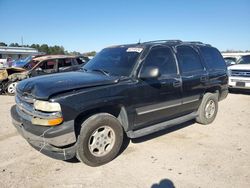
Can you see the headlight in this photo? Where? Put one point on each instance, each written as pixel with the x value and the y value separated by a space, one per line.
pixel 229 72
pixel 47 106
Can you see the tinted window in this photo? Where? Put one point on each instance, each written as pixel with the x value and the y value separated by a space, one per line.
pixel 244 60
pixel 212 58
pixel 163 58
pixel 189 59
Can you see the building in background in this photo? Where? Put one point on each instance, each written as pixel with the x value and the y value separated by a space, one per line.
pixel 15 53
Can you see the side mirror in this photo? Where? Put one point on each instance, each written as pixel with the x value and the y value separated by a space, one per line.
pixel 149 72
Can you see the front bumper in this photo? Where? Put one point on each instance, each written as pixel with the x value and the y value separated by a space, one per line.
pixel 57 142
pixel 234 81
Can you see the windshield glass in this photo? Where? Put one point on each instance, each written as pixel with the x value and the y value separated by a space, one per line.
pixel 114 61
pixel 244 60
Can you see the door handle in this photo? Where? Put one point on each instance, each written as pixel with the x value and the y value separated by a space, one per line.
pixel 203 78
pixel 177 83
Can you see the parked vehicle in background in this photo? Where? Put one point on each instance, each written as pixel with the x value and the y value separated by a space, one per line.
pixel 230 60
pixel 134 89
pixel 3 63
pixel 38 66
pixel 239 74
pixel 4 73
pixel 22 62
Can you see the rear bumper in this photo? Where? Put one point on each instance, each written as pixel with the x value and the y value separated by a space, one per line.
pixel 57 142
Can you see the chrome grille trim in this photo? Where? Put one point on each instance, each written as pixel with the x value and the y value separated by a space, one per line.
pixel 240 73
pixel 29 110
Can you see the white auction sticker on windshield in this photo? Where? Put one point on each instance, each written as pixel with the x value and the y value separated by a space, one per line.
pixel 138 50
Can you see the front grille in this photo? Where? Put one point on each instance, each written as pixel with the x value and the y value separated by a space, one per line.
pixel 24 104
pixel 24 97
pixel 240 73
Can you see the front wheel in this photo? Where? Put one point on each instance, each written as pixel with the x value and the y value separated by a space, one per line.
pixel 100 139
pixel 208 109
pixel 11 88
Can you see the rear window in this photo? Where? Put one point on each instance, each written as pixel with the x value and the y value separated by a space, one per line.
pixel 213 58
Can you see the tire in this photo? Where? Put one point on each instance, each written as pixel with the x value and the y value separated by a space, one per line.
pixel 207 115
pixel 100 139
pixel 11 88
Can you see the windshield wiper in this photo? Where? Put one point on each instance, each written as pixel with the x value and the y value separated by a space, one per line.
pixel 102 71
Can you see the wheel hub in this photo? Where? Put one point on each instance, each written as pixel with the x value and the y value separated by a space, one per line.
pixel 210 109
pixel 12 88
pixel 101 141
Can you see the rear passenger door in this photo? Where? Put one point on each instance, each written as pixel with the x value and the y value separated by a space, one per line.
pixel 194 77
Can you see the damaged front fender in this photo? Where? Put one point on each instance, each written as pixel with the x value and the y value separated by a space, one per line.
pixel 18 76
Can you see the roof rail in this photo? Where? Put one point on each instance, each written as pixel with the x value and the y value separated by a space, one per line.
pixel 197 42
pixel 194 42
pixel 163 41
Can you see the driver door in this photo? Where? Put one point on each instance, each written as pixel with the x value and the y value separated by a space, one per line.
pixel 158 99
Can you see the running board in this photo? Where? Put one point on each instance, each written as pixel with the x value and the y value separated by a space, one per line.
pixel 160 126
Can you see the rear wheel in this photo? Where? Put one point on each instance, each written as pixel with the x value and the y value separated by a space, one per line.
pixel 11 88
pixel 100 139
pixel 208 109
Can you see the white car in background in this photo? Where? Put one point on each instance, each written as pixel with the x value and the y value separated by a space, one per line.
pixel 239 74
pixel 3 63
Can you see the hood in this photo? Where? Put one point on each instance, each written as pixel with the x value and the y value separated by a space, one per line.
pixel 42 87
pixel 240 67
pixel 4 73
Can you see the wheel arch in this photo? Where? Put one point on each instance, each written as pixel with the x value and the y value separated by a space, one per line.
pixel 118 111
pixel 215 90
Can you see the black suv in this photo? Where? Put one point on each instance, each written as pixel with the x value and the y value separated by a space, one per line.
pixel 131 90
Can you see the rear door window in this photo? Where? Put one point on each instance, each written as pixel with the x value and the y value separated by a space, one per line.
pixel 189 59
pixel 212 58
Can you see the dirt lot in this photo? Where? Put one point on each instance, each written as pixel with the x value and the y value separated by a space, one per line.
pixel 190 155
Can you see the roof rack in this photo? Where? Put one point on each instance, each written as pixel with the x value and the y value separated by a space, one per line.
pixel 163 41
pixel 197 42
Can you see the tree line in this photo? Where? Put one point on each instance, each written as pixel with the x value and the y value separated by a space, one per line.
pixel 50 50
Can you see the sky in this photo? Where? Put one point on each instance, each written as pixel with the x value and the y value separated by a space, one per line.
pixel 90 25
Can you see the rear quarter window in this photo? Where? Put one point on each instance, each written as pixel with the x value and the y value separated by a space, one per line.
pixel 213 58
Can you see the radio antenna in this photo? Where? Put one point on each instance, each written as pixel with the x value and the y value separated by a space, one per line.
pixel 139 42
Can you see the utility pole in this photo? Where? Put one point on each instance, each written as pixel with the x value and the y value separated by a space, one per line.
pixel 22 40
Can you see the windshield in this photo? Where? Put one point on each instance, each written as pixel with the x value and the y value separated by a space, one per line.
pixel 114 61
pixel 30 65
pixel 244 60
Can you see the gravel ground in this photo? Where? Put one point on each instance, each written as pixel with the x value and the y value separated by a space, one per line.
pixel 189 155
